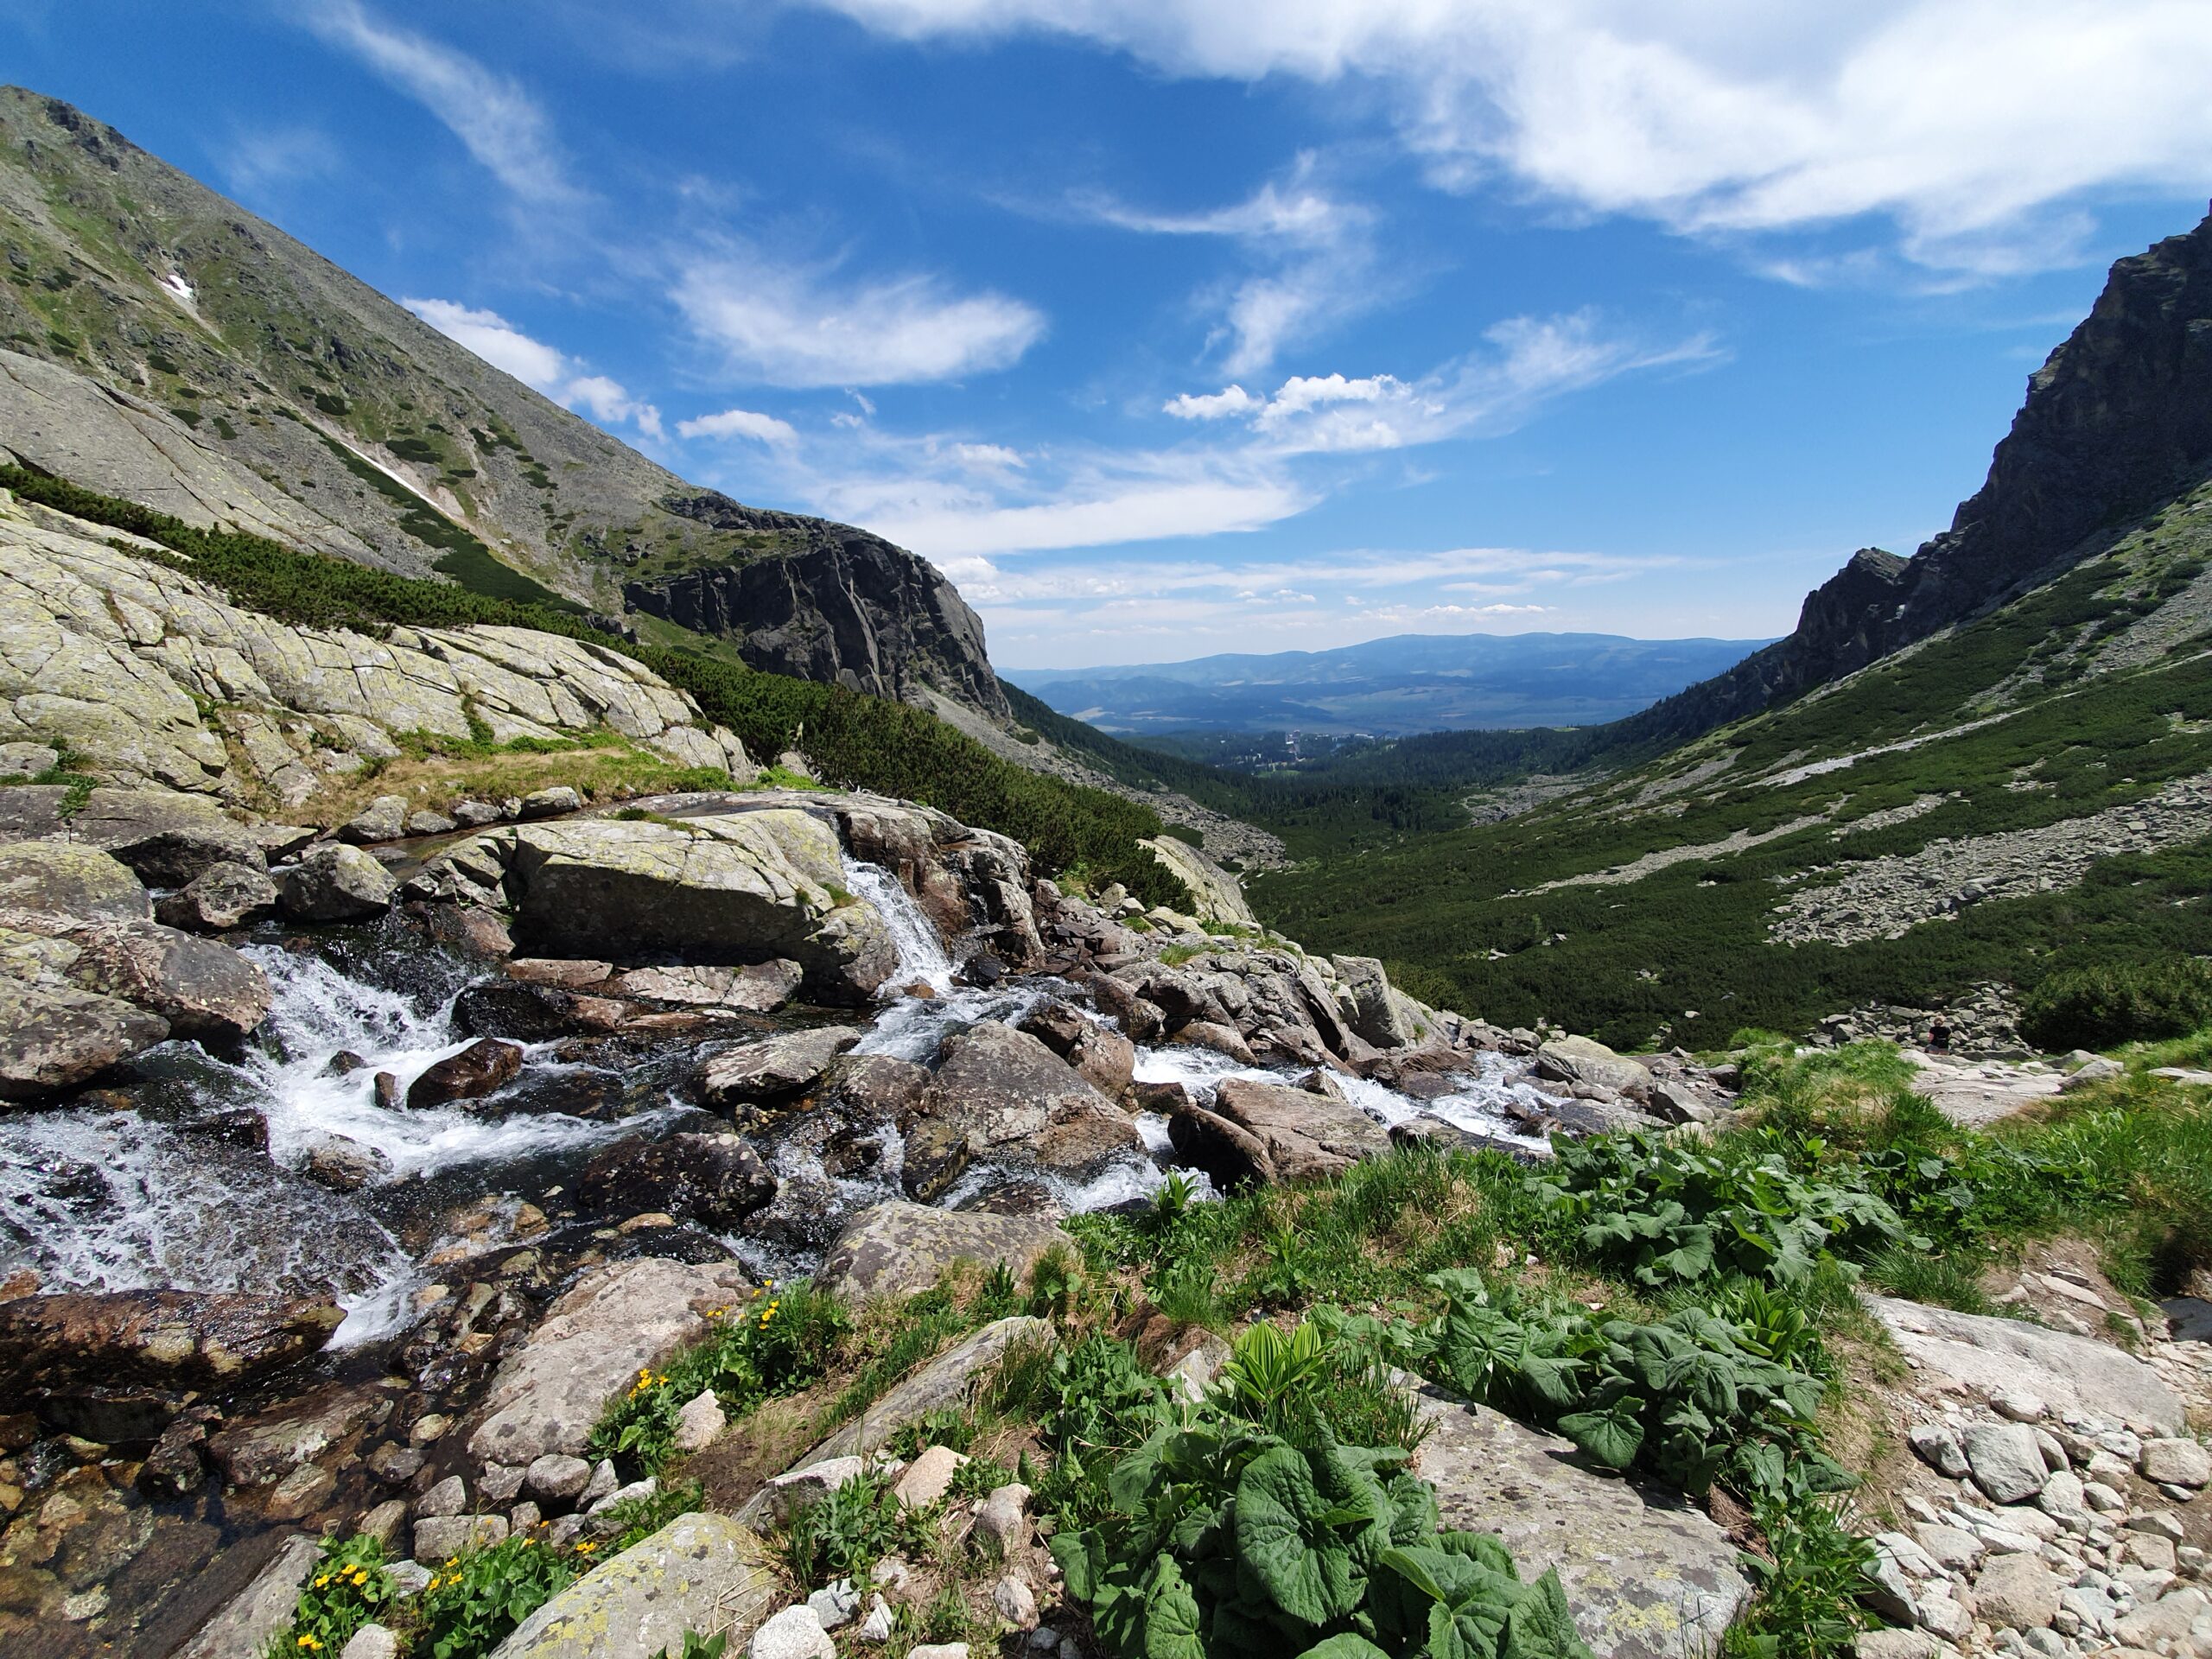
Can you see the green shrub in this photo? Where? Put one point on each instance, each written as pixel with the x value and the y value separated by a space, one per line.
pixel 2122 1002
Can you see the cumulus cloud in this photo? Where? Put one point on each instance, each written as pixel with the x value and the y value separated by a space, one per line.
pixel 542 368
pixel 789 327
pixel 1211 406
pixel 1971 125
pixel 500 124
pixel 739 424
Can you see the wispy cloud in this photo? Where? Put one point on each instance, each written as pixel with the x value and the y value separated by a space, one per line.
pixel 501 125
pixel 788 326
pixel 272 157
pixel 1972 125
pixel 544 367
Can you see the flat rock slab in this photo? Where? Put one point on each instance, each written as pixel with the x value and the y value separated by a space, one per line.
pixel 897 1249
pixel 1648 1575
pixel 242 1627
pixel 1997 1356
pixel 1971 1095
pixel 702 1573
pixel 618 1320
pixel 941 1382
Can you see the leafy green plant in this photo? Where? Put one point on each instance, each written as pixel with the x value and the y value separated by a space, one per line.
pixel 1220 1541
pixel 347 1589
pixel 2104 1005
pixel 1806 1603
pixel 475 1599
pixel 847 1532
pixel 697 1646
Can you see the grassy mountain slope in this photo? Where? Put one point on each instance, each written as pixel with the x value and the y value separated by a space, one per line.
pixel 1975 749
pixel 155 336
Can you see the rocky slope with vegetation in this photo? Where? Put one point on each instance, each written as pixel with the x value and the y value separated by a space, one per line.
pixel 159 343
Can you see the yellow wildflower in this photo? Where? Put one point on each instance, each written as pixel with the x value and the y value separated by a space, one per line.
pixel 586 1550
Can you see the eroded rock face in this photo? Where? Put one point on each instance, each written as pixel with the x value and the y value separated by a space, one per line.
pixel 1646 1575
pixel 620 1318
pixel 1216 896
pixel 896 1250
pixel 702 1573
pixel 160 1338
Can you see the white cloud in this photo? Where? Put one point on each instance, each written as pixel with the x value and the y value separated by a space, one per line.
pixel 1132 512
pixel 499 122
pixel 273 157
pixel 540 366
pixel 739 424
pixel 792 328
pixel 1212 406
pixel 1971 125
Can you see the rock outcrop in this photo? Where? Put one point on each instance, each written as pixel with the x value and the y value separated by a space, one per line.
pixel 897 1249
pixel 700 1574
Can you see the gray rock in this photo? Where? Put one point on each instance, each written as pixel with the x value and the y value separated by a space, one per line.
pixel 835 1604
pixel 344 1165
pixel 552 802
pixel 2090 1073
pixel 427 822
pixel 1895 1645
pixel 2071 1374
pixel 499 1483
pixel 334 882
pixel 1004 1518
pixel 203 989
pixel 878 1625
pixel 2007 1462
pixel 242 1628
pixel 785 1496
pixel 774 1067
pixel 896 1250
pixel 1939 1448
pixel 928 1477
pixel 617 1319
pixel 2165 1624
pixel 699 1422
pixel 2176 1463
pixel 1363 996
pixel 475 814
pixel 1016 1603
pixel 27 760
pixel 940 1382
pixel 557 1478
pixel 795 1633
pixel 1648 1575
pixel 58 879
pixel 53 1039
pixel 701 1573
pixel 1952 1548
pixel 372 1642
pixel 383 819
pixel 221 897
pixel 2016 1593
pixel 1582 1059
pixel 447 1498
pixel 1305 1136
pixel 1000 1091
pixel 166 837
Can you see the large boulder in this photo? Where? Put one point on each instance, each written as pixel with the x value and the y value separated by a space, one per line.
pixel 168 838
pixel 55 1037
pixel 202 990
pixel 731 888
pixel 700 1574
pixel 1647 1575
pixel 67 883
pixel 1307 1136
pixel 1100 1054
pixel 334 882
pixel 616 1320
pixel 158 1338
pixel 1998 1356
pixel 709 1181
pixel 773 1068
pixel 1216 896
pixel 1584 1059
pixel 221 897
pixel 997 1089
pixel 1372 1006
pixel 896 1250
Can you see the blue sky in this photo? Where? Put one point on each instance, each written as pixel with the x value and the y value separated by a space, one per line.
pixel 1173 327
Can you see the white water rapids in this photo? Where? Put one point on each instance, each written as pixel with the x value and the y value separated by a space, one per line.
pixel 115 1198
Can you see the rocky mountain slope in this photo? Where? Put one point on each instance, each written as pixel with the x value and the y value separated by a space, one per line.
pixel 160 343
pixel 2117 422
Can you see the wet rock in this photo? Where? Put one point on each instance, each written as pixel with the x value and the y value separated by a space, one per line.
pixel 396 1465
pixel 55 1037
pixel 936 1154
pixel 700 1573
pixel 175 1465
pixel 58 879
pixel 202 990
pixel 1648 1575
pixel 872 1087
pixel 343 1165
pixel 741 887
pixel 1143 1019
pixel 472 931
pixel 386 1085
pixel 895 1250
pixel 618 1320
pixel 1307 1136
pixel 334 882
pixel 383 819
pixel 1220 1037
pixel 567 973
pixel 485 1065
pixel 1081 1141
pixel 1100 1055
pixel 160 1338
pixel 1601 1116
pixel 999 1088
pixel 221 897
pixel 710 1180
pixel 1231 1154
pixel 536 1013
pixel 263 1449
pixel 243 1627
pixel 944 1380
pixel 773 1068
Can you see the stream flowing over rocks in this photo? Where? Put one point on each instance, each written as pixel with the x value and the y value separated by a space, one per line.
pixel 300 1215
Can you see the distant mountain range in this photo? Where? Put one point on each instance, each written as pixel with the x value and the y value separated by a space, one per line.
pixel 1409 683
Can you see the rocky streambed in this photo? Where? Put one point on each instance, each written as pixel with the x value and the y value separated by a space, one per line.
pixel 292 1176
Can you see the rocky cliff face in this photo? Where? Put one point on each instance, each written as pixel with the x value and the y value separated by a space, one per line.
pixel 842 605
pixel 2116 423
pixel 166 345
